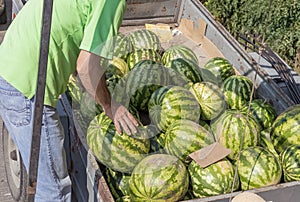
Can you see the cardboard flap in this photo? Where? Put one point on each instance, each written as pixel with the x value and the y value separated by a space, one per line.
pixel 197 34
pixel 210 154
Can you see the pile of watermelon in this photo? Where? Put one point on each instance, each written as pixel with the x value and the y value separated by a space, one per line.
pixel 182 108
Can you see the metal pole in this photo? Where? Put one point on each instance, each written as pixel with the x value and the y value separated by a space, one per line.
pixel 39 99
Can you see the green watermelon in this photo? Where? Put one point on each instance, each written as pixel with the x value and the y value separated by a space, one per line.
pixel 215 179
pixel 144 39
pixel 235 130
pixel 286 129
pixel 170 103
pixel 74 90
pixel 220 67
pixel 117 182
pixel 258 167
pixel 117 66
pixel 210 98
pixel 237 90
pixel 187 69
pixel 178 51
pixel 89 108
pixel 140 55
pixel 262 111
pixel 121 46
pixel 184 137
pixel 118 152
pixel 290 160
pixel 266 142
pixel 143 80
pixel 159 177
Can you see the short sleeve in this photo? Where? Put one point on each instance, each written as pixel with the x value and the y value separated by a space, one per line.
pixel 103 22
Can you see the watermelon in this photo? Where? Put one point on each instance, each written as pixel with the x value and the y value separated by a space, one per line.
pixel 74 90
pixel 117 182
pixel 220 67
pixel 290 160
pixel 159 177
pixel 140 55
pixel 178 51
pixel 237 90
pixel 286 129
pixel 215 179
pixel 121 46
pixel 258 167
pixel 210 98
pixel 236 130
pixel 262 111
pixel 144 39
pixel 117 66
pixel 187 69
pixel 89 108
pixel 170 103
pixel 118 152
pixel 143 80
pixel 266 142
pixel 184 137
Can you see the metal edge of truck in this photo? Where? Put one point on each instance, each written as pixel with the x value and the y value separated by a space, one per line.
pixel 90 184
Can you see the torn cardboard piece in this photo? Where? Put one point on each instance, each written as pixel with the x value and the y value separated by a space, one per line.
pixel 163 31
pixel 210 154
pixel 197 35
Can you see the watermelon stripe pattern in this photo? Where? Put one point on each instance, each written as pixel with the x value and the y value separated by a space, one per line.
pixel 220 67
pixel 184 137
pixel 237 90
pixel 118 152
pixel 286 129
pixel 144 39
pixel 217 178
pixel 290 160
pixel 178 51
pixel 210 98
pixel 140 55
pixel 177 103
pixel 263 112
pixel 159 177
pixel 234 129
pixel 258 167
pixel 187 69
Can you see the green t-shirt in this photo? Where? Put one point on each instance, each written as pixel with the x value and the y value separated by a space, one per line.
pixel 76 24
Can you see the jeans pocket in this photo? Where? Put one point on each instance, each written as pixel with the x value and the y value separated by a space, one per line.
pixel 15 106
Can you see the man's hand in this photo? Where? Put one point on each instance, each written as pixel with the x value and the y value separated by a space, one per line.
pixel 122 119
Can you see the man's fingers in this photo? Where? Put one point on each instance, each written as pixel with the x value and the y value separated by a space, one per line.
pixel 118 127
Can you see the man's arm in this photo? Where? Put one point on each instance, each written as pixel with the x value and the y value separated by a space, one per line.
pixel 93 79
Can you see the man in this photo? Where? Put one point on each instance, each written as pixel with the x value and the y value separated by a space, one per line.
pixel 79 30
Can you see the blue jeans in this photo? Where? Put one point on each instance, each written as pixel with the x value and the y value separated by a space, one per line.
pixel 16 111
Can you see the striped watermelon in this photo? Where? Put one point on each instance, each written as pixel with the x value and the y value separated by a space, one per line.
pixel 121 46
pixel 118 183
pixel 144 39
pixel 187 69
pixel 262 111
pixel 89 108
pixel 220 67
pixel 210 98
pixel 170 103
pixel 116 67
pixel 217 178
pixel 159 177
pixel 184 137
pixel 286 129
pixel 237 90
pixel 290 160
pixel 266 142
pixel 74 90
pixel 142 54
pixel 143 80
pixel 178 51
pixel 236 130
pixel 118 152
pixel 258 167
